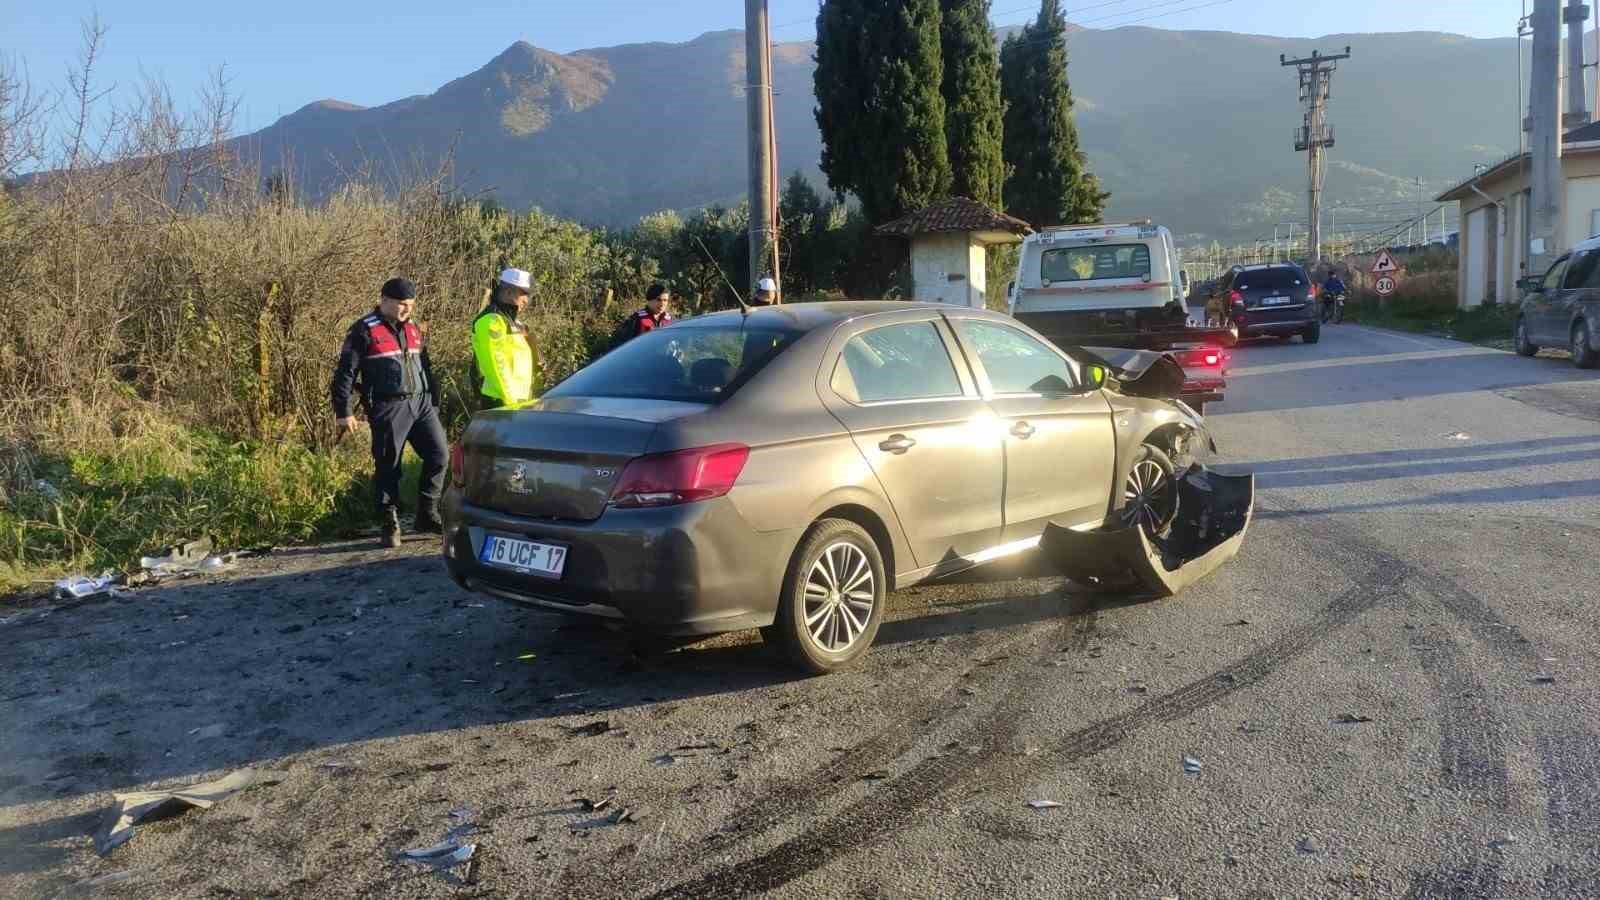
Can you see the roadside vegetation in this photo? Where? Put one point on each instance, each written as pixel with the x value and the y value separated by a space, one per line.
pixel 1426 303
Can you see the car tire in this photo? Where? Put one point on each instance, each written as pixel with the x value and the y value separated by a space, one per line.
pixel 1153 477
pixel 1312 334
pixel 1519 337
pixel 821 626
pixel 1584 355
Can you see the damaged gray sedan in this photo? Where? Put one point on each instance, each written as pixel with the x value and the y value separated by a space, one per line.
pixel 787 467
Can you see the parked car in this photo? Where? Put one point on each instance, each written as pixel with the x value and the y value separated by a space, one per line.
pixel 1562 307
pixel 1269 300
pixel 788 467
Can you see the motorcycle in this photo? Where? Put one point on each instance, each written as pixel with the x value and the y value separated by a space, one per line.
pixel 1333 308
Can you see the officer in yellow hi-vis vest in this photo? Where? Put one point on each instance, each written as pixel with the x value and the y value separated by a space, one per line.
pixel 505 362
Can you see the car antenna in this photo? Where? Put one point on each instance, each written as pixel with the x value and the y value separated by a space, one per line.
pixel 743 306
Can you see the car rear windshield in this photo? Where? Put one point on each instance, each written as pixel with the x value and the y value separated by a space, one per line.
pixel 704 363
pixel 1096 262
pixel 1280 279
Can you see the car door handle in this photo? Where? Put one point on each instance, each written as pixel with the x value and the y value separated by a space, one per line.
pixel 896 443
pixel 1023 430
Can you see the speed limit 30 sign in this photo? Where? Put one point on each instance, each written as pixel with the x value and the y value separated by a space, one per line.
pixel 1385 286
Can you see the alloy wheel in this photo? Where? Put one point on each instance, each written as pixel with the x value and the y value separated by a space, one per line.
pixel 840 592
pixel 1150 498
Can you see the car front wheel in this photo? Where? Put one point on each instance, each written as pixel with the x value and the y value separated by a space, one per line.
pixel 1584 355
pixel 833 598
pixel 1525 347
pixel 1150 493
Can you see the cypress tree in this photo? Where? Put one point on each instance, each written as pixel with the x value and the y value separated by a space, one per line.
pixel 879 107
pixel 973 117
pixel 1050 183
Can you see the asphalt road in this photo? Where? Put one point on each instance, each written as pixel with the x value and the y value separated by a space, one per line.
pixel 1392 692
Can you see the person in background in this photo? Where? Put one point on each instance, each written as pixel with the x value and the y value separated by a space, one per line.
pixel 384 361
pixel 505 362
pixel 766 292
pixel 655 314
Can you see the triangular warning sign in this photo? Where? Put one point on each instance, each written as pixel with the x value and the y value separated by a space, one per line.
pixel 1384 264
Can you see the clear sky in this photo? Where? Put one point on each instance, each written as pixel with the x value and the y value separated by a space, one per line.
pixel 284 54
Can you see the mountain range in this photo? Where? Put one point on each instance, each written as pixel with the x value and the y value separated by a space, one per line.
pixel 1193 129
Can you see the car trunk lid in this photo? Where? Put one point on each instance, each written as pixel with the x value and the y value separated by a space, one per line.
pixel 559 459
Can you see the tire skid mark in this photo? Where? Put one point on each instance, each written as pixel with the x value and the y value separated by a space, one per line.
pixel 900 800
pixel 1571 776
pixel 1078 617
pixel 1472 747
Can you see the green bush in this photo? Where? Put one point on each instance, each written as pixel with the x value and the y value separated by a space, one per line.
pixel 84 511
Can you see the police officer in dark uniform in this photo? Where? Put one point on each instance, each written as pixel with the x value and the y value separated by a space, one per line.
pixel 385 362
pixel 654 315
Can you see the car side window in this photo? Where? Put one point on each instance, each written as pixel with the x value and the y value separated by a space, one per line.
pixel 1016 362
pixel 896 362
pixel 1580 269
pixel 1552 278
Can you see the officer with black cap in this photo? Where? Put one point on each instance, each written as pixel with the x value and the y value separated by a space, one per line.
pixel 384 361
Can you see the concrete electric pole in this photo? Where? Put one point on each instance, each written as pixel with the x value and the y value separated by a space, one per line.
pixel 1316 71
pixel 763 143
pixel 1544 101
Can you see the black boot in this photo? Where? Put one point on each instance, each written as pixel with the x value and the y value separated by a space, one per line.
pixel 427 520
pixel 391 527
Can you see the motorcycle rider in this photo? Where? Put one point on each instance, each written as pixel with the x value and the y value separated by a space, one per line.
pixel 1333 292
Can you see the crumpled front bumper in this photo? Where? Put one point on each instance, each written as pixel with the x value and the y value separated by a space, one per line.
pixel 1214 512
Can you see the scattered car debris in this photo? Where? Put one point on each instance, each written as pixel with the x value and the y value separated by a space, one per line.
pixel 82 587
pixel 587 805
pixel 137 806
pixel 593 729
pixel 665 759
pixel 1043 804
pixel 208 731
pixel 190 559
pixel 876 775
pixel 525 657
pixel 1457 436
pixel 443 855
pixel 1192 766
pixel 1352 719
pixel 1544 679
pixel 1237 624
pixel 1309 844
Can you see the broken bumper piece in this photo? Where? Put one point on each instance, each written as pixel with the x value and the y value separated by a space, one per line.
pixel 1213 513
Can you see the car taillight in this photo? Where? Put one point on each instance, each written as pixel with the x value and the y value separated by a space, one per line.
pixel 1206 358
pixel 1236 297
pixel 458 466
pixel 683 476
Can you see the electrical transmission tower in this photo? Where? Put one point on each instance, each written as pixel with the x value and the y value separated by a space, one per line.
pixel 1316 72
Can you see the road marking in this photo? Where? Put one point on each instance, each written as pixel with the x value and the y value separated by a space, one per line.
pixel 1364 360
pixel 1385 333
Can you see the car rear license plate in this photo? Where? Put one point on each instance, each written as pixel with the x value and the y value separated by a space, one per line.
pixel 529 557
pixel 1275 301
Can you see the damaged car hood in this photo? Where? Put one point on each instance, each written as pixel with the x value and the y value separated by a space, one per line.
pixel 1137 373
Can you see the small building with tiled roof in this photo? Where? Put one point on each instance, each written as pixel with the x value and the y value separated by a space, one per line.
pixel 949 248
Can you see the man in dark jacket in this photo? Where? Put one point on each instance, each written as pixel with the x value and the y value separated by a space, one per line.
pixel 385 361
pixel 654 315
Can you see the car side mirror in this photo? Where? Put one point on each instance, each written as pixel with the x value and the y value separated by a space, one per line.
pixel 1532 284
pixel 1094 376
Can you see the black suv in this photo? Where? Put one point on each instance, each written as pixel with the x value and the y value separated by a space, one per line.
pixel 1276 300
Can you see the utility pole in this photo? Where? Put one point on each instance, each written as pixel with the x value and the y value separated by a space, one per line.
pixel 1545 148
pixel 763 143
pixel 1316 71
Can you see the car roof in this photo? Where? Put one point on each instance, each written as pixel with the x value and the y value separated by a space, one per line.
pixel 810 316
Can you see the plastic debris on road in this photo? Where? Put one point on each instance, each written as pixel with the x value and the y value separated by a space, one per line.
pixel 1457 436
pixel 80 587
pixel 193 558
pixel 443 855
pixel 1352 719
pixel 1544 679
pixel 208 731
pixel 1192 766
pixel 133 808
pixel 1043 804
pixel 593 729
